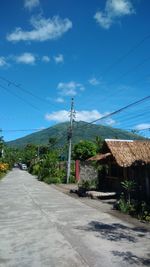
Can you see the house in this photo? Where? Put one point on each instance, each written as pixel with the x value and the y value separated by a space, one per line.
pixel 125 159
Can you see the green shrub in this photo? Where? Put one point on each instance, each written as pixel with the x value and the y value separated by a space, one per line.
pixel 36 169
pixel 43 173
pixel 129 186
pixel 144 212
pixel 87 184
pixel 72 179
pixel 52 180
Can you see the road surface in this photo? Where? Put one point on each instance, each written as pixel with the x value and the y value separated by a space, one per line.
pixel 42 227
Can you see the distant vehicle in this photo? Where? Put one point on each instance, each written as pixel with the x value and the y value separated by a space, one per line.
pixel 15 165
pixel 23 166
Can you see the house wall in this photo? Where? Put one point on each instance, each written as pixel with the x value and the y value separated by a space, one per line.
pixel 140 174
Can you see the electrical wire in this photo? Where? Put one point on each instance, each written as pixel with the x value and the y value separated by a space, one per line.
pixel 129 52
pixel 122 109
pixel 19 97
pixel 9 82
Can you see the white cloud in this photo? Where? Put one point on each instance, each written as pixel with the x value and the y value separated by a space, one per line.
pixel 30 4
pixel 46 59
pixel 94 81
pixel 83 115
pixel 59 59
pixel 3 62
pixel 25 58
pixel 58 116
pixel 87 115
pixel 114 9
pixel 43 29
pixel 110 121
pixel 70 88
pixel 59 100
pixel 142 126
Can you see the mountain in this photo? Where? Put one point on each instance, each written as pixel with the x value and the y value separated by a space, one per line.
pixel 81 131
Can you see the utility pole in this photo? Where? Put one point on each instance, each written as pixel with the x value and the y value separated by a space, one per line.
pixel 1 145
pixel 72 116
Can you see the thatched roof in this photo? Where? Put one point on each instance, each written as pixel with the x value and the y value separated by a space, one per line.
pixel 100 156
pixel 127 153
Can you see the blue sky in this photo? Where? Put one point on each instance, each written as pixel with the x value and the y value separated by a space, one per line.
pixel 95 51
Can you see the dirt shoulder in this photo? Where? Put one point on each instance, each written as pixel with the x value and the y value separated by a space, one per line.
pixel 104 205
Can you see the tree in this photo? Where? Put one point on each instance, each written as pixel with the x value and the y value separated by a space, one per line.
pixel 29 153
pixel 52 142
pixel 99 142
pixel 84 150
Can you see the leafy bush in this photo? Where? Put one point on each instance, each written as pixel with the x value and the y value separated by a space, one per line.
pixel 84 150
pixel 35 169
pixel 52 180
pixel 144 212
pixel 129 186
pixel 87 184
pixel 140 210
pixel 43 173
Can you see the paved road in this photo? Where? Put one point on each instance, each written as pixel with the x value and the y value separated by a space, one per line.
pixel 42 227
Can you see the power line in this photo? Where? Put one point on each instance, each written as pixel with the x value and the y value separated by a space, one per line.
pixel 18 86
pixel 133 69
pixel 129 52
pixel 138 130
pixel 117 111
pixel 121 109
pixel 22 89
pixel 19 97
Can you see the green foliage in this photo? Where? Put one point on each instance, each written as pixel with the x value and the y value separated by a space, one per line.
pixel 129 186
pixel 84 150
pixel 29 153
pixel 140 210
pixel 52 180
pixel 126 206
pixel 99 143
pixel 48 169
pixel 87 184
pixel 34 169
pixel 144 212
pixel 52 142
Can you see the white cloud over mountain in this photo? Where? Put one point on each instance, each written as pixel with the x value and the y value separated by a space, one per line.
pixel 83 115
pixel 142 126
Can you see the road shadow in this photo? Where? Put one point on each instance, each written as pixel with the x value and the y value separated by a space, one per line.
pixel 131 258
pixel 115 231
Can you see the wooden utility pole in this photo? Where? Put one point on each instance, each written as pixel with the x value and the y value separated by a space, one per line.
pixel 72 115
